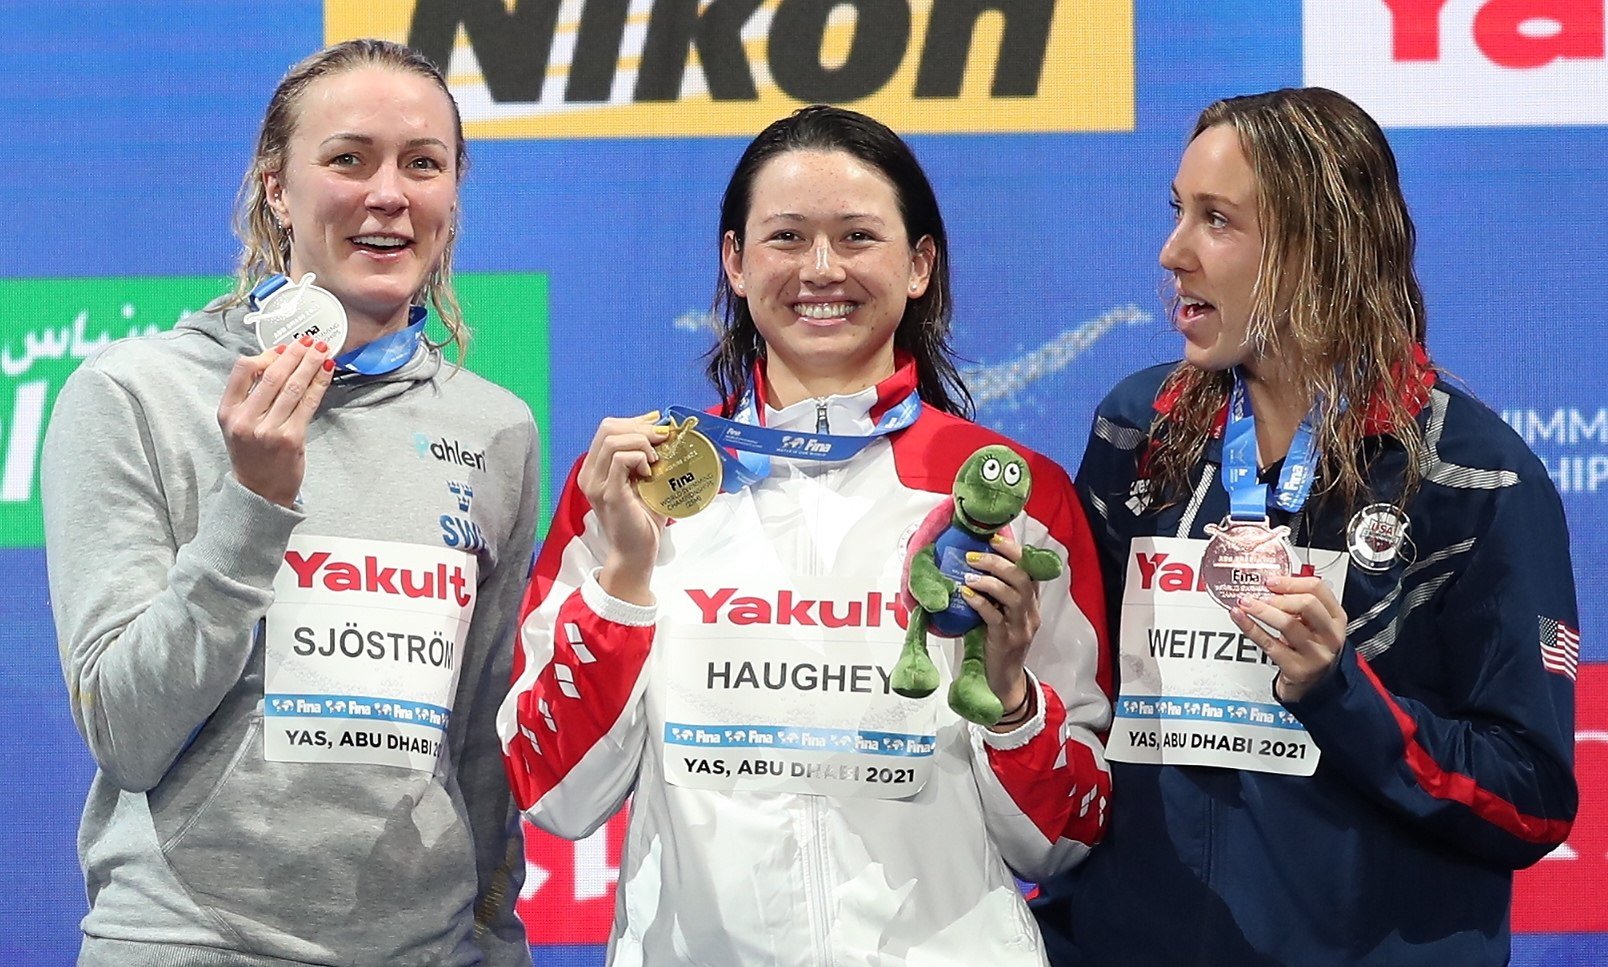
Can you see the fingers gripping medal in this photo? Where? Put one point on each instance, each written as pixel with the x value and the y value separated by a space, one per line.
pixel 686 477
pixel 283 313
pixel 1240 557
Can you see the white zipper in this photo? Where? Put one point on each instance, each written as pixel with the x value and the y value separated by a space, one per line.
pixel 817 895
pixel 813 849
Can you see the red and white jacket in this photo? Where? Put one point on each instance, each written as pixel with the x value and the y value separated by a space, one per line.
pixel 746 876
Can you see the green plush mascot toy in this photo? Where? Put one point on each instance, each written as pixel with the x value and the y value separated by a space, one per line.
pixel 991 488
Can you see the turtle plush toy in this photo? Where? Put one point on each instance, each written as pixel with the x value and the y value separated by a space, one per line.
pixel 990 489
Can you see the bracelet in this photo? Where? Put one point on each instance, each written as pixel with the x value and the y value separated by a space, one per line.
pixel 1022 712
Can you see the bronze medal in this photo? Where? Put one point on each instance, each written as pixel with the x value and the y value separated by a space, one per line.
pixel 686 477
pixel 1240 557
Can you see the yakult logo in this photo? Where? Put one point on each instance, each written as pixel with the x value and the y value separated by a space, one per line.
pixel 725 605
pixel 1462 62
pixel 440 582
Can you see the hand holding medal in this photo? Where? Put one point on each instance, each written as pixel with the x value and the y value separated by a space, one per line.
pixel 1308 630
pixel 1247 564
pixel 267 405
pixel 622 451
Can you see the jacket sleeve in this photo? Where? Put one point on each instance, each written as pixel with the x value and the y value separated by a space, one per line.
pixel 574 725
pixel 1488 766
pixel 1045 785
pixel 482 686
pixel 152 633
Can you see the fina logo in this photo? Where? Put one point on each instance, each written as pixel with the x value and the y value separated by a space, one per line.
pixel 448 451
pixel 800 444
pixel 558 68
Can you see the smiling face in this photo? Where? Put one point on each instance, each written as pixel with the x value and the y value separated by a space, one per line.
pixel 991 488
pixel 368 191
pixel 826 268
pixel 1215 250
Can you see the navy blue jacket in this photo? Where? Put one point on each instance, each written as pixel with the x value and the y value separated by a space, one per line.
pixel 1447 745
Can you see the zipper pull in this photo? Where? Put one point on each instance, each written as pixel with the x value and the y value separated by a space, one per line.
pixel 820 415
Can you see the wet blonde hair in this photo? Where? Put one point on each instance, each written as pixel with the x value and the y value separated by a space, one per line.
pixel 266 244
pixel 1336 299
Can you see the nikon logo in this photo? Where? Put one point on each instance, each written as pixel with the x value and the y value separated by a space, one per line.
pixel 577 68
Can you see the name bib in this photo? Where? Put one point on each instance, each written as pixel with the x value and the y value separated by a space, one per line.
pixel 800 705
pixel 1195 691
pixel 362 649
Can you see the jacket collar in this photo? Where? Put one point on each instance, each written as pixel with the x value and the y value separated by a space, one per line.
pixel 1412 383
pixel 851 413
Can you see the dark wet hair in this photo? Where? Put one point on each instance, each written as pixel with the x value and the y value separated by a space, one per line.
pixel 924 330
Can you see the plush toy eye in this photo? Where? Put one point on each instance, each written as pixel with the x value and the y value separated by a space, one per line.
pixel 990 469
pixel 1013 474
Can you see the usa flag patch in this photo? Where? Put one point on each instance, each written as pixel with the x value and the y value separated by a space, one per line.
pixel 1560 648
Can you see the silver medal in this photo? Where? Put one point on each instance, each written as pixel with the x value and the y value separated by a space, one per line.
pixel 296 310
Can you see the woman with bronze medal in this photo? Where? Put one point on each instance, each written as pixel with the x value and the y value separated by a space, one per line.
pixel 1341 589
pixel 716 615
pixel 284 662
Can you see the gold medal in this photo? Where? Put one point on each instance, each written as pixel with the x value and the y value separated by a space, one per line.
pixel 686 477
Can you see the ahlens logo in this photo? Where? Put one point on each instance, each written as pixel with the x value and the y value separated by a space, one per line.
pixel 448 451
pixel 729 67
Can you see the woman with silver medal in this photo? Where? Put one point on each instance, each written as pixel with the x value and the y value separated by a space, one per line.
pixel 284 670
pixel 730 668
pixel 1341 587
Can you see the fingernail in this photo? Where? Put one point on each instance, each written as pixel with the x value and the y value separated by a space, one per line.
pixel 307 340
pixel 280 349
pixel 998 537
pixel 329 364
pixel 321 346
pixel 972 577
pixel 968 592
pixel 972 557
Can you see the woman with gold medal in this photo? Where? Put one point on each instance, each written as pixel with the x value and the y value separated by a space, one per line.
pixel 731 672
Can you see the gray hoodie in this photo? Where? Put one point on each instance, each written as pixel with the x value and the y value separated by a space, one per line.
pixel 199 844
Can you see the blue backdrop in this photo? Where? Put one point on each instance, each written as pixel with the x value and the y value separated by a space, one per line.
pixel 128 125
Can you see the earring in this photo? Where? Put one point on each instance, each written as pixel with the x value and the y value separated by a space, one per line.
pixel 914 286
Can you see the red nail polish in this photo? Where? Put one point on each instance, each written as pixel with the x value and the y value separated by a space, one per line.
pixel 321 346
pixel 329 364
pixel 280 348
pixel 307 340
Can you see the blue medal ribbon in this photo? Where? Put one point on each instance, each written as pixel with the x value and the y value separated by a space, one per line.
pixel 1247 496
pixel 388 352
pixel 264 289
pixel 756 444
